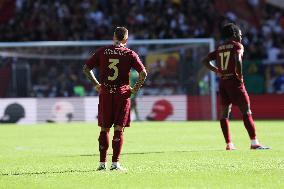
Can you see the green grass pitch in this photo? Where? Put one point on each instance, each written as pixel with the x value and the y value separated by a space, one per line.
pixel 156 154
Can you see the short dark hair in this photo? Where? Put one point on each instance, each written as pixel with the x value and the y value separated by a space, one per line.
pixel 230 30
pixel 121 33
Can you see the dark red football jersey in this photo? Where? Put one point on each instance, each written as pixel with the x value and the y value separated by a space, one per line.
pixel 114 64
pixel 225 57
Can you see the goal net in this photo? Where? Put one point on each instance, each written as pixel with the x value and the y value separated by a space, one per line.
pixel 54 69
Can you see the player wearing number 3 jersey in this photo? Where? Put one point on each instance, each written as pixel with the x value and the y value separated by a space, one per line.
pixel 228 57
pixel 114 64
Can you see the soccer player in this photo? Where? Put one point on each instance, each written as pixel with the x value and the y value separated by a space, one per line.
pixel 114 64
pixel 228 57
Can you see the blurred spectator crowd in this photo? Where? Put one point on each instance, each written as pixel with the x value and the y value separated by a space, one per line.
pixel 50 20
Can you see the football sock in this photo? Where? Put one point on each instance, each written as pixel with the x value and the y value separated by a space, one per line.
pixel 225 129
pixel 249 124
pixel 103 145
pixel 117 143
pixel 254 142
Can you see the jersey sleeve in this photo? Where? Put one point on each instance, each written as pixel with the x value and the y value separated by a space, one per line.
pixel 136 63
pixel 94 62
pixel 212 56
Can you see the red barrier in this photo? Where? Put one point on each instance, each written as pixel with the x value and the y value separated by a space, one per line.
pixel 268 106
pixel 198 108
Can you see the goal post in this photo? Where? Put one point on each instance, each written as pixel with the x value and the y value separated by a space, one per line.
pixel 79 51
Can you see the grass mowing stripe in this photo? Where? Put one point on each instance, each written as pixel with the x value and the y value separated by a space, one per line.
pixel 156 154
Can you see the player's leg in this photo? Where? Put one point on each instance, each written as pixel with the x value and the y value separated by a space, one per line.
pixel 250 127
pixel 103 147
pixel 105 122
pixel 121 120
pixel 226 106
pixel 244 106
pixel 248 120
pixel 117 143
pixel 224 122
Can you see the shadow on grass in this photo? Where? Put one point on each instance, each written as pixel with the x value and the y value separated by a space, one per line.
pixel 46 172
pixel 146 153
pixel 92 170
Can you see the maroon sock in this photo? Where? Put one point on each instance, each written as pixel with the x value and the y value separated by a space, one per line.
pixel 249 124
pixel 117 143
pixel 225 129
pixel 103 145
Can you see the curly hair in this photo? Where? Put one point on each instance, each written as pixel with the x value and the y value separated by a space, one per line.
pixel 230 30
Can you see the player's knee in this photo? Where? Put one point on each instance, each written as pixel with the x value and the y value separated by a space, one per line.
pixel 247 112
pixel 223 117
pixel 118 128
pixel 103 129
pixel 225 113
pixel 245 109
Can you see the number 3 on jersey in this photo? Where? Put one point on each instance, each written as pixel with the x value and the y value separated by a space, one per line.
pixel 113 63
pixel 226 56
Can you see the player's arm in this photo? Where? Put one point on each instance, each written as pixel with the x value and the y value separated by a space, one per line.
pixel 239 66
pixel 209 65
pixel 239 63
pixel 140 81
pixel 139 67
pixel 207 61
pixel 90 75
pixel 91 63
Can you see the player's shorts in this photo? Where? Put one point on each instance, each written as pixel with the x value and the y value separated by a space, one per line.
pixel 232 91
pixel 114 109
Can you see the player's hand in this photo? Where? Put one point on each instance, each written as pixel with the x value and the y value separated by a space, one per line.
pixel 241 80
pixel 98 88
pixel 219 74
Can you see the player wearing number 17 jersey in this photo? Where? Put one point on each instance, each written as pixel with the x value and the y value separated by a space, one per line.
pixel 114 63
pixel 228 57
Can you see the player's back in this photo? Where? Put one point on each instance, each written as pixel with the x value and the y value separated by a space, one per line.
pixel 115 64
pixel 226 58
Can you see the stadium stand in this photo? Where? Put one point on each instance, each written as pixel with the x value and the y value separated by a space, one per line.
pixel 36 20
